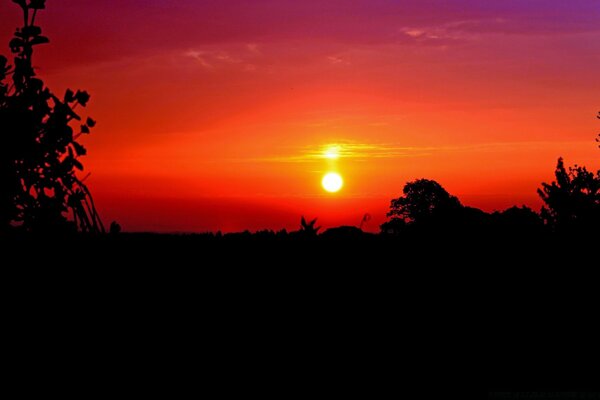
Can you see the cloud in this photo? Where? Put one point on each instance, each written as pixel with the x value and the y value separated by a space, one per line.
pixel 200 57
pixel 354 151
pixel 211 59
pixel 337 60
pixel 414 32
pixel 362 152
pixel 365 151
pixel 253 48
pixel 454 31
pixel 180 25
pixel 509 22
pixel 226 57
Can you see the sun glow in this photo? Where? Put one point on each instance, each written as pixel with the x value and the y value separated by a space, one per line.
pixel 332 182
pixel 332 152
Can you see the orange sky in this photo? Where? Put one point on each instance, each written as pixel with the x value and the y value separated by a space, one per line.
pixel 216 114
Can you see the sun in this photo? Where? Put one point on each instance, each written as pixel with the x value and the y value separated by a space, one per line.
pixel 332 182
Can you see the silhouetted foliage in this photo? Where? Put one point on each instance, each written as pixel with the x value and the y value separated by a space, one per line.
pixel 424 202
pixel 115 228
pixel 343 232
pixel 427 207
pixel 470 218
pixel 572 200
pixel 598 139
pixel 395 226
pixel 518 219
pixel 308 229
pixel 40 154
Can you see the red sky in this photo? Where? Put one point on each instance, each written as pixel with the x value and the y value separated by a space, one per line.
pixel 216 114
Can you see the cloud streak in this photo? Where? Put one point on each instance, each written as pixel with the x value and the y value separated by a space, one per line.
pixel 362 152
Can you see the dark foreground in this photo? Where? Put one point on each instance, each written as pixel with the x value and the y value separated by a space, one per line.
pixel 421 317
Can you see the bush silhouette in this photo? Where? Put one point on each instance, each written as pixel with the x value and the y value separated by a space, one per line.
pixel 40 154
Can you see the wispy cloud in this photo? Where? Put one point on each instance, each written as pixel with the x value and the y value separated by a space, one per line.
pixel 253 48
pixel 414 32
pixel 371 151
pixel 454 31
pixel 211 59
pixel 337 60
pixel 354 151
pixel 199 56
pixel 363 151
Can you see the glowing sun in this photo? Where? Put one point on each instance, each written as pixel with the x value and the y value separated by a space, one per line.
pixel 332 182
pixel 332 152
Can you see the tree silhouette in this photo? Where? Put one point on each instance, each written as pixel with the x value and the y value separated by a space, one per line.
pixel 40 154
pixel 520 220
pixel 573 200
pixel 395 226
pixel 424 201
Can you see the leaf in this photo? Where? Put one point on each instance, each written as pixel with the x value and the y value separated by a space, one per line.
pixel 23 68
pixel 37 4
pixel 77 165
pixel 69 96
pixel 31 31
pixel 3 68
pixel 22 3
pixel 36 84
pixel 90 122
pixel 79 149
pixel 73 114
pixel 15 44
pixel 85 129
pixel 82 97
pixel 39 40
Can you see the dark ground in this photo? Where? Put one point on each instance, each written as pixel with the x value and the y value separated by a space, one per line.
pixel 418 318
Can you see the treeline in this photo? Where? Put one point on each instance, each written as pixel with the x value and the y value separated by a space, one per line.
pixel 571 206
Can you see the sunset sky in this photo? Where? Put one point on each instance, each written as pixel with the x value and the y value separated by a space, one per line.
pixel 226 114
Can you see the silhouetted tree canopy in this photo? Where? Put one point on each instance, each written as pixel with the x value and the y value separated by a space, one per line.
pixel 424 201
pixel 572 200
pixel 40 153
pixel 523 219
pixel 427 207
pixel 395 226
